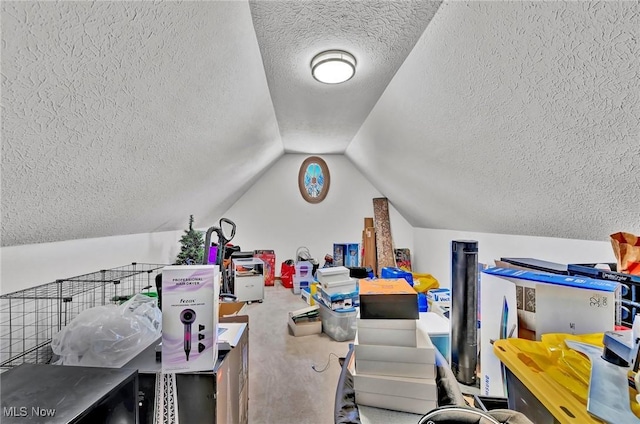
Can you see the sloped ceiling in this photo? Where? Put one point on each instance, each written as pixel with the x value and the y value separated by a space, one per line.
pixel 506 117
pixel 127 117
pixel 323 118
pixel 514 118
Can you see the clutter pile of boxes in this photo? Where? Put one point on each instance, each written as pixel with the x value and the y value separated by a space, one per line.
pixel 336 289
pixel 393 365
pixel 337 296
pixel 396 341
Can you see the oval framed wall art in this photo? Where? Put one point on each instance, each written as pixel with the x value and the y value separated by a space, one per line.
pixel 314 179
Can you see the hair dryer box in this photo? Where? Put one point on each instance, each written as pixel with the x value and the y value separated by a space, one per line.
pixel 189 317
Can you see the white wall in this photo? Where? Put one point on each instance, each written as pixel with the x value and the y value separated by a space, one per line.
pixel 273 215
pixel 270 215
pixel 34 264
pixel 433 250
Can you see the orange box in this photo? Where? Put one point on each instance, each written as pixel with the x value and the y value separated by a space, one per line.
pixel 388 299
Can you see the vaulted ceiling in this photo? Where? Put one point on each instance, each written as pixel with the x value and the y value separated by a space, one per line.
pixel 506 117
pixel 324 118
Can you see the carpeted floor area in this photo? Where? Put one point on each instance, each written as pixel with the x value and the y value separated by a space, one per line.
pixel 283 387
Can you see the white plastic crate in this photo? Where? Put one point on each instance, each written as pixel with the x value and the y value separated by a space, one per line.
pixel 300 282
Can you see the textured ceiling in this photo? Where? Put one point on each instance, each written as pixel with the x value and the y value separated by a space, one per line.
pixel 514 118
pixel 122 117
pixel 321 118
pixel 502 117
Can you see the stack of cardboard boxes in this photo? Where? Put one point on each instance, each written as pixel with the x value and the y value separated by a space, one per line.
pixel 337 294
pixel 337 290
pixel 394 359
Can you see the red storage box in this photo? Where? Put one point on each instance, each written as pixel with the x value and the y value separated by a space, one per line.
pixel 269 259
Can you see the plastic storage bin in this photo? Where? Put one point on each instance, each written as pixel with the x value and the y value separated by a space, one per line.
pixel 532 391
pixel 395 273
pixel 438 328
pixel 341 324
pixel 300 283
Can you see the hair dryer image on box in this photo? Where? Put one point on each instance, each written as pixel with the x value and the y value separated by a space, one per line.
pixel 187 317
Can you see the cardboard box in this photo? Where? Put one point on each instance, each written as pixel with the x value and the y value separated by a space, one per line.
pixel 269 259
pixel 346 254
pixel 416 388
pixel 415 395
pixel 347 286
pixel 237 370
pixel 352 255
pixel 387 332
pixel 305 328
pixel 305 294
pixel 398 361
pixel 332 274
pixel 339 300
pixel 339 250
pixel 499 320
pixel 388 299
pixel 229 308
pixel 403 258
pixel 395 368
pixel 369 247
pixel 549 303
pixel 396 403
pixel 189 317
pixel 629 286
pixel 442 295
pixel 439 329
pixel 536 265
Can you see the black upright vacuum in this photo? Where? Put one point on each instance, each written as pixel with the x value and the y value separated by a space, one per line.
pixel 226 231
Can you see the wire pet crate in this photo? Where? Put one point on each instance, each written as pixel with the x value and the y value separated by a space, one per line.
pixel 30 318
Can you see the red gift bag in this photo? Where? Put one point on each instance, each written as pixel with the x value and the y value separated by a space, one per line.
pixel 287 271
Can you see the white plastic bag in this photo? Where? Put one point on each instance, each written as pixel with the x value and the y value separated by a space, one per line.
pixel 110 335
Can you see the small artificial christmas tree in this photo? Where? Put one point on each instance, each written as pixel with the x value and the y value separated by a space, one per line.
pixel 192 248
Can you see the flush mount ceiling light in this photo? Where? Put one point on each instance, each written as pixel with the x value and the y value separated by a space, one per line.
pixel 333 66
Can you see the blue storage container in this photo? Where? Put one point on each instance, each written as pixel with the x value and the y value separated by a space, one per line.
pixel 389 272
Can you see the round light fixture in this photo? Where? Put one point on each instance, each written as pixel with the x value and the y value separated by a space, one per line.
pixel 333 66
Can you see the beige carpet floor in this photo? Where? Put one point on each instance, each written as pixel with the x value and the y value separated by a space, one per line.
pixel 283 387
